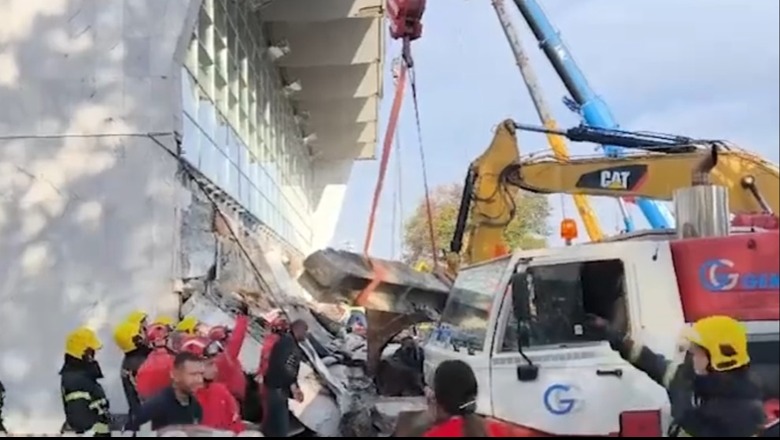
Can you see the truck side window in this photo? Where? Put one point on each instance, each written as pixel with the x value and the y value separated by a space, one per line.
pixel 563 294
pixel 464 321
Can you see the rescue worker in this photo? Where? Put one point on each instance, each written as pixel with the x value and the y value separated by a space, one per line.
pixel 130 339
pixel 402 373
pixel 455 403
pixel 189 326
pixel 711 392
pixel 166 321
pixel 281 380
pixel 2 403
pixel 220 407
pixel 175 404
pixel 229 369
pixel 140 317
pixel 154 374
pixel 85 404
pixel 278 327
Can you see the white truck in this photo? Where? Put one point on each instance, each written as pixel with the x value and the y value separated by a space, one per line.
pixel 517 321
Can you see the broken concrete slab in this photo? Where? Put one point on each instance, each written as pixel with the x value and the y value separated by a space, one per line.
pixel 319 412
pixel 338 276
pixel 293 291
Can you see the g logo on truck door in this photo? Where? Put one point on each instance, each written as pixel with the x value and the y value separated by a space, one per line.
pixel 720 275
pixel 561 399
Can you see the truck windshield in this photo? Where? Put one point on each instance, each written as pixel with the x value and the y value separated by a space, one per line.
pixel 464 321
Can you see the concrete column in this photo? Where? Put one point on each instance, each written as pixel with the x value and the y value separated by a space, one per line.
pixel 89 108
pixel 330 187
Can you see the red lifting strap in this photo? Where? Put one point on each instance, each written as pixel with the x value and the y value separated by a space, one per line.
pixel 387 146
pixel 404 16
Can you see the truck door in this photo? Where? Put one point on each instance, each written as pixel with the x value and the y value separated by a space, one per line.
pixel 548 372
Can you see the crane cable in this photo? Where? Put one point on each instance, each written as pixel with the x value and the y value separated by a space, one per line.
pixel 428 205
pixel 392 123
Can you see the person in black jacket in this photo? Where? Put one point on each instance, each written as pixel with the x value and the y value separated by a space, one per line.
pixel 83 398
pixel 710 391
pixel 130 339
pixel 281 380
pixel 176 404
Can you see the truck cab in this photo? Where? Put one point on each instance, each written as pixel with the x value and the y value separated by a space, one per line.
pixel 518 321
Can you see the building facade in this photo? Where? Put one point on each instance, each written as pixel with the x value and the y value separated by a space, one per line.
pixel 105 103
pixel 248 122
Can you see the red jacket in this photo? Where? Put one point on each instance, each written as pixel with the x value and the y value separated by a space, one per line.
pixel 229 371
pixel 453 427
pixel 154 374
pixel 220 408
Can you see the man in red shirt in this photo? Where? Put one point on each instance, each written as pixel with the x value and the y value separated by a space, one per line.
pixel 220 408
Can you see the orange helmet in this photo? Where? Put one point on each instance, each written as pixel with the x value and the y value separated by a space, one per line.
pixel 202 347
pixel 158 335
pixel 219 333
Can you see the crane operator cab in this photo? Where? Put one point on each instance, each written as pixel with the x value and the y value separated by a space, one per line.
pixel 519 322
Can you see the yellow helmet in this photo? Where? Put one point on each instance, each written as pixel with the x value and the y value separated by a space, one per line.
pixel 80 341
pixel 164 320
pixel 127 335
pixel 137 316
pixel 187 325
pixel 724 338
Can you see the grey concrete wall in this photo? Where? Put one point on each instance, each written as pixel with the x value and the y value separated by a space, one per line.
pixel 88 198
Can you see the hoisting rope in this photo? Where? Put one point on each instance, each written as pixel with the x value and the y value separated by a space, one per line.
pixel 405 25
pixel 387 144
pixel 406 68
pixel 428 205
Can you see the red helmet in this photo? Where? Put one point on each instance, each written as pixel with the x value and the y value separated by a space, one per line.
pixel 157 335
pixel 201 347
pixel 219 333
pixel 279 324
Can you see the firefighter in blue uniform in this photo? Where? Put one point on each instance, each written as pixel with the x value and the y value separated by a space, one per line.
pixel 711 392
pixel 83 398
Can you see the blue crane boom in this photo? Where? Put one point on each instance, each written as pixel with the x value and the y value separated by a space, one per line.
pixel 593 109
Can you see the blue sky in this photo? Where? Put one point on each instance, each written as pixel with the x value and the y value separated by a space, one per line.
pixel 706 68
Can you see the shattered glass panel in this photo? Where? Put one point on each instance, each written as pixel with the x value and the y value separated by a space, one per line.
pixel 557 303
pixel 464 322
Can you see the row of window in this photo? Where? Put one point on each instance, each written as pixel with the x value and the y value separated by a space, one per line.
pixel 240 129
pixel 247 182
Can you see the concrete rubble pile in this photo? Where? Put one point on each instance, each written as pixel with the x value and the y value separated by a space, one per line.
pixel 340 398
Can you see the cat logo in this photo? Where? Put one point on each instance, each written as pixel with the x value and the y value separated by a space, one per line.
pixel 615 179
pixel 628 178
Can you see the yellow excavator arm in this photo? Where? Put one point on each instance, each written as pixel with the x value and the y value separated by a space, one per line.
pixel 487 205
pixel 752 182
pixel 664 164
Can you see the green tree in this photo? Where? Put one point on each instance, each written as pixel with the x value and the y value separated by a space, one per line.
pixel 528 230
